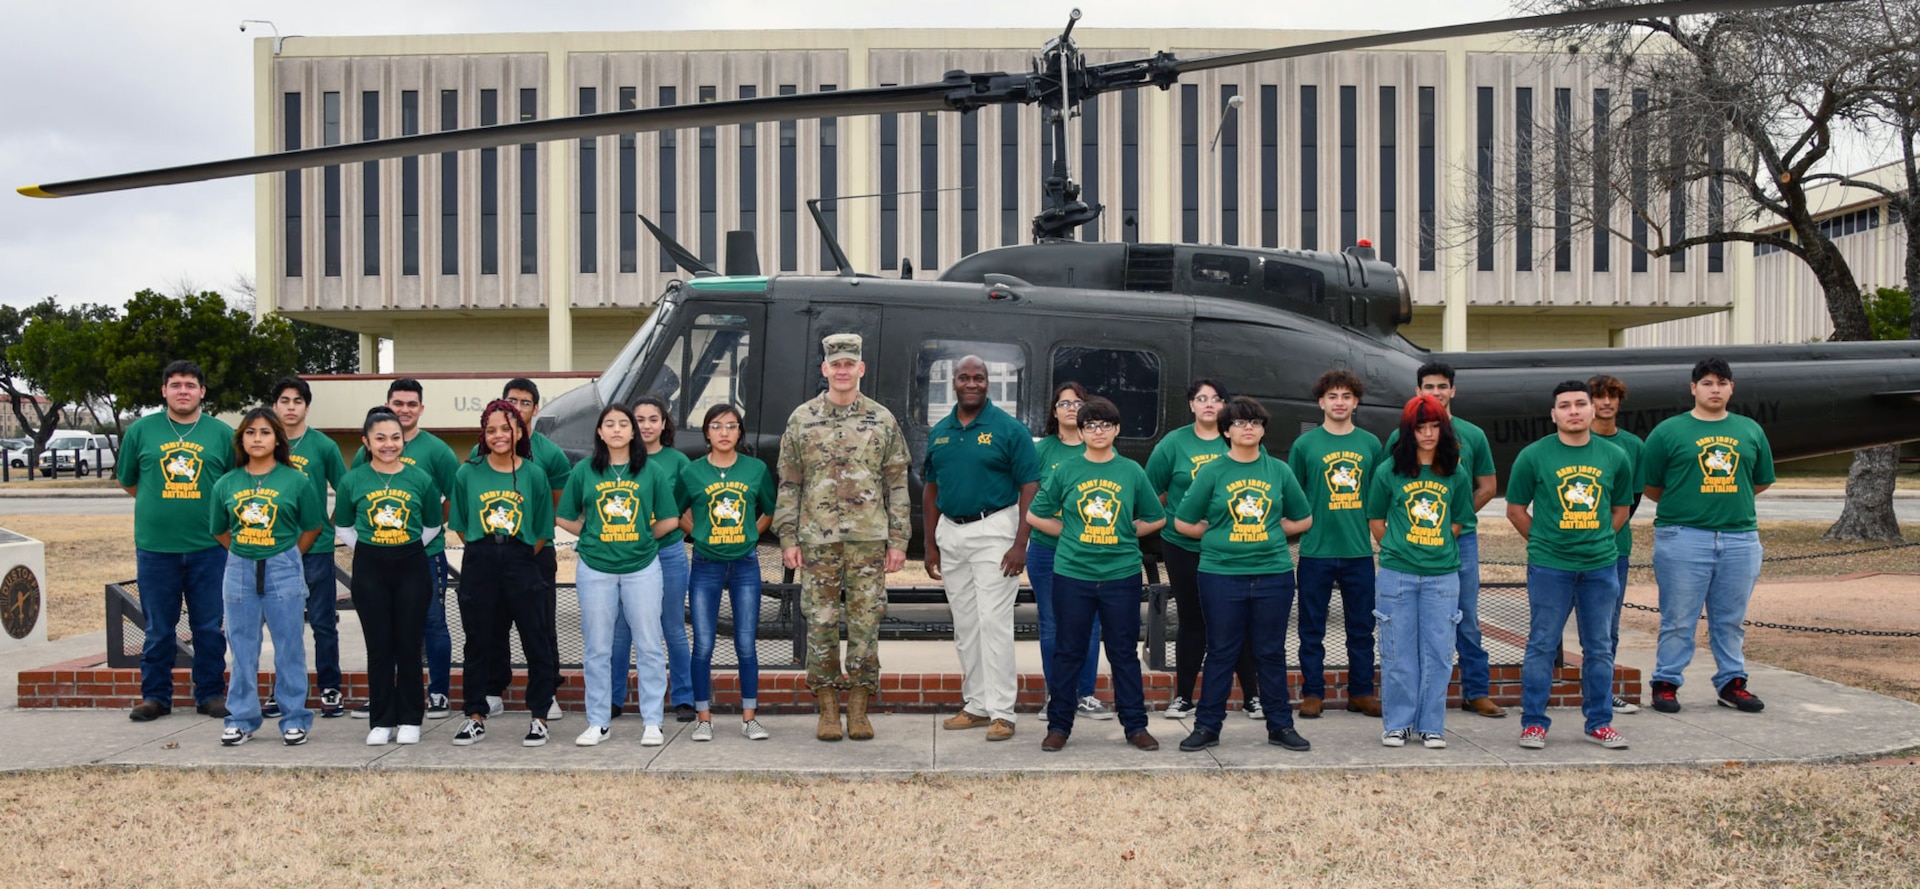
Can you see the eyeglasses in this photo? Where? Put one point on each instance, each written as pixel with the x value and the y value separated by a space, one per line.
pixel 1208 399
pixel 1097 426
pixel 722 427
pixel 1255 423
pixel 522 402
pixel 1069 402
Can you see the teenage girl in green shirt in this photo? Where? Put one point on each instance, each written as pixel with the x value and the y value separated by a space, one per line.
pixel 732 500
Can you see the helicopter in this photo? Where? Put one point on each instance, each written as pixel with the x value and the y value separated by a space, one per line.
pixel 1133 322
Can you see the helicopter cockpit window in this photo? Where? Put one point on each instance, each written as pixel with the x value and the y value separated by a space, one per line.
pixel 624 372
pixel 1296 282
pixel 1221 269
pixel 705 367
pixel 1130 379
pixel 933 376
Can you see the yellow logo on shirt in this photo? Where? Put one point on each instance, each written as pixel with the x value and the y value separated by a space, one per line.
pixel 256 513
pixel 1343 476
pixel 985 438
pixel 619 509
pixel 1719 463
pixel 500 513
pixel 1099 510
pixel 1426 505
pixel 180 466
pixel 1581 495
pixel 1248 502
pixel 388 516
pixel 727 510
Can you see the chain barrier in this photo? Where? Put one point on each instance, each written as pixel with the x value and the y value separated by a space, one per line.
pixel 1769 625
pixel 1799 558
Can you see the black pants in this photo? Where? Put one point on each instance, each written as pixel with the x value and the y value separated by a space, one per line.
pixel 1190 646
pixel 391 588
pixel 502 674
pixel 500 585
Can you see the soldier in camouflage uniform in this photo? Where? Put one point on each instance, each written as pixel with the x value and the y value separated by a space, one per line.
pixel 844 520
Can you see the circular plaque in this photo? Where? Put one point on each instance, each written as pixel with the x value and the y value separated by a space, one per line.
pixel 19 602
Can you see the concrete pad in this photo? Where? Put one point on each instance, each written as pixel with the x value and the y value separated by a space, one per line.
pixel 51 739
pixel 1096 746
pixel 1341 740
pixel 195 743
pixel 502 748
pixel 1806 718
pixel 902 745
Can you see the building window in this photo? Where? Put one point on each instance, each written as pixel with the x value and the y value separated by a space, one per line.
pixel 410 187
pixel 290 185
pixel 829 179
pixel 933 376
pixel 929 191
pixel 749 197
pixel 589 190
pixel 1229 167
pixel 1483 206
pixel 709 173
pixel 1009 174
pixel 489 188
pixel 789 188
pixel 449 187
pixel 969 184
pixel 1428 261
pixel 1676 205
pixel 1602 176
pixel 330 188
pixel 1090 163
pixel 1716 207
pixel 629 189
pixel 1388 238
pixel 1523 179
pixel 669 181
pixel 1349 166
pixel 529 188
pixel 1637 179
pixel 1130 166
pixel 889 190
pixel 1562 180
pixel 1269 166
pixel 1189 163
pixel 1309 167
pixel 369 186
pixel 1128 378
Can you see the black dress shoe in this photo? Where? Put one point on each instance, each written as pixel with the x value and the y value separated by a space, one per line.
pixel 148 711
pixel 1053 742
pixel 1142 740
pixel 1288 738
pixel 683 713
pixel 1200 740
pixel 215 707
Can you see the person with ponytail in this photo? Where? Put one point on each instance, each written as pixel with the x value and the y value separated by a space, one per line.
pixel 1414 509
pixel 653 426
pixel 732 501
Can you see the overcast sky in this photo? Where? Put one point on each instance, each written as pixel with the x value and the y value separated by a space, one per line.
pixel 90 87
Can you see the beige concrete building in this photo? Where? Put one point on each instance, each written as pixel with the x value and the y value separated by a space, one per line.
pixel 530 258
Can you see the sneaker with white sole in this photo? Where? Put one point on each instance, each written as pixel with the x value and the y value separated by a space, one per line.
pixel 1534 737
pixel 1433 740
pixel 1252 709
pixel 269 707
pixel 1179 708
pixel 592 736
pixel 1622 705
pixel 496 705
pixel 703 731
pixel 233 736
pixel 332 703
pixel 753 730
pixel 652 737
pixel 1606 737
pixel 471 732
pixel 554 711
pixel 1091 708
pixel 408 734
pixel 363 711
pixel 1395 738
pixel 536 734
pixel 294 737
pixel 438 707
pixel 380 736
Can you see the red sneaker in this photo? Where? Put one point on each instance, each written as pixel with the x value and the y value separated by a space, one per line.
pixel 1606 737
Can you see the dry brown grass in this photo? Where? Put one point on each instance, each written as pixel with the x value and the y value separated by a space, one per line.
pixel 1788 826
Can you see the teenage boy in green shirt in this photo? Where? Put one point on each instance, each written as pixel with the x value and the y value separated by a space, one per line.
pixel 1609 395
pixel 315 454
pixel 1333 465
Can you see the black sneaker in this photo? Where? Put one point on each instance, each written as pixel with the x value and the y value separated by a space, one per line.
pixel 234 737
pixel 473 731
pixel 438 707
pixel 332 704
pixel 1666 697
pixel 684 713
pixel 363 711
pixel 617 712
pixel 1288 738
pixel 1179 708
pixel 270 707
pixel 215 707
pixel 536 734
pixel 1201 739
pixel 1734 694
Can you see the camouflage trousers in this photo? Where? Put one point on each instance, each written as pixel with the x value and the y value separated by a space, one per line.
pixel 844 582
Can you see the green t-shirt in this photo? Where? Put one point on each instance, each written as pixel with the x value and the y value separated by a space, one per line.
pixel 174 467
pixel 1420 514
pixel 315 455
pixel 1098 502
pixel 727 506
pixel 980 465
pixel 487 501
pixel 387 510
pixel 1706 470
pixel 1634 447
pixel 266 514
pixel 1475 454
pixel 1050 451
pixel 618 511
pixel 1170 469
pixel 1334 470
pixel 1573 491
pixel 550 457
pixel 669 463
pixel 434 455
pixel 1243 504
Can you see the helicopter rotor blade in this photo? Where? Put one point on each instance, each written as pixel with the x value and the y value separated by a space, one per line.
pixel 681 255
pixel 878 100
pixel 1596 16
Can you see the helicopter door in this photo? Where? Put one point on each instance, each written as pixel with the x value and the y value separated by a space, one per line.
pixel 712 358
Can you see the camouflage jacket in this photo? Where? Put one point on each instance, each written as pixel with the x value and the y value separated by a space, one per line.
pixel 843 476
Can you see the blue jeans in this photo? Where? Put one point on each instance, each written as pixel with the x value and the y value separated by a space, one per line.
pixel 1466 636
pixel 1613 627
pixel 323 616
pixel 1695 568
pixel 281 605
pixel 1117 605
pixel 1317 577
pixel 1417 616
pixel 741 577
pixel 1240 607
pixel 673 628
pixel 439 642
pixel 1040 577
pixel 604 598
pixel 167 580
pixel 1592 597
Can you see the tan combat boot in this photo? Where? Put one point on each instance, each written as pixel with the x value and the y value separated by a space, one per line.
pixel 858 728
pixel 827 701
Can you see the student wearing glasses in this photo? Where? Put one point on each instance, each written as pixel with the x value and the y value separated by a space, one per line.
pixel 732 498
pixel 1061 443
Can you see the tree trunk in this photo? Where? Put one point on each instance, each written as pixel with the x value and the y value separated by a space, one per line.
pixel 1868 513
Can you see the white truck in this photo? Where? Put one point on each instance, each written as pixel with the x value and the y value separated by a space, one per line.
pixel 72 451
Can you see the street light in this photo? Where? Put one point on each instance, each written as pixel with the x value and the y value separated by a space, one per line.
pixel 1233 104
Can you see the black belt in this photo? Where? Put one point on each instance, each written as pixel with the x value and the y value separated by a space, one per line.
pixel 974 517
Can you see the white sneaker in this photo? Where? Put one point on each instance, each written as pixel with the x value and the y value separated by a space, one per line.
pixel 554 711
pixel 438 707
pixel 1433 740
pixel 1395 738
pixel 408 734
pixel 703 731
pixel 753 730
pixel 379 737
pixel 1252 709
pixel 1179 708
pixel 652 737
pixel 495 706
pixel 593 735
pixel 1622 705
pixel 1091 708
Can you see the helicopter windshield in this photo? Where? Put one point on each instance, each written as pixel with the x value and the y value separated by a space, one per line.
pixel 621 371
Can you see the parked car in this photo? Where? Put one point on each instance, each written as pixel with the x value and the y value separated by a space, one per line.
pixel 16 450
pixel 69 451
